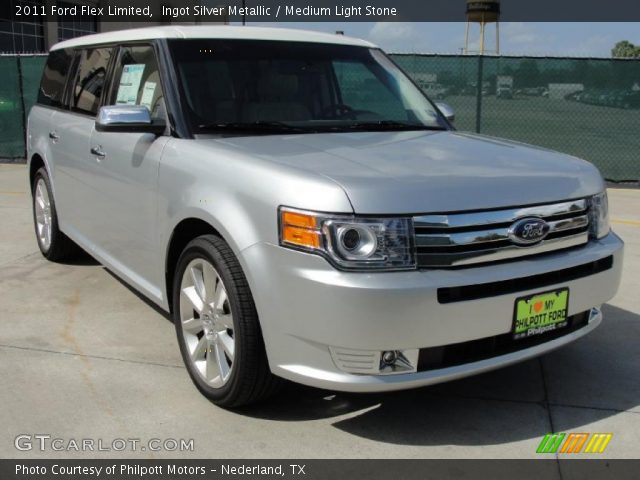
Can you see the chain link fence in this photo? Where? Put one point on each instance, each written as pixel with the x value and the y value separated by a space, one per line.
pixel 589 108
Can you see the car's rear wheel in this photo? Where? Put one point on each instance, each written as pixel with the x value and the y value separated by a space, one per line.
pixel 53 244
pixel 217 325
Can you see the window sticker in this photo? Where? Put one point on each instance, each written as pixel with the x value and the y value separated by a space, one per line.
pixel 129 84
pixel 147 94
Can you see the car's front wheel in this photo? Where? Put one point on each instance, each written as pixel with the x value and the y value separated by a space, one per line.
pixel 217 325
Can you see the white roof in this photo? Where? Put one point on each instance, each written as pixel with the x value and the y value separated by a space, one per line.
pixel 212 31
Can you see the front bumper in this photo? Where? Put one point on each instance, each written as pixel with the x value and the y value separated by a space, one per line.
pixel 307 307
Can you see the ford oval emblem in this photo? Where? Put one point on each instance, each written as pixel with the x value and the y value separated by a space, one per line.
pixel 527 231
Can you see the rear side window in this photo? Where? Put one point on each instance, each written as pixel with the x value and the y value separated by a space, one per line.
pixel 90 79
pixel 54 78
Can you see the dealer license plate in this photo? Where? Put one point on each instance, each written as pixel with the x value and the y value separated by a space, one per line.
pixel 540 313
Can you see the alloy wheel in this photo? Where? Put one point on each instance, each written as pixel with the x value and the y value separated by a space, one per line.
pixel 207 323
pixel 43 214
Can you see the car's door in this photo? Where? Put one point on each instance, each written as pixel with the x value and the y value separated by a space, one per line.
pixel 43 135
pixel 128 171
pixel 71 129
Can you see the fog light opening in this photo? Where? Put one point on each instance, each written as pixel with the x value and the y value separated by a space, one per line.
pixel 389 357
pixel 398 361
pixel 375 362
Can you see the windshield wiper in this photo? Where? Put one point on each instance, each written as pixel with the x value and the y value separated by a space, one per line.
pixel 385 125
pixel 275 127
pixel 259 127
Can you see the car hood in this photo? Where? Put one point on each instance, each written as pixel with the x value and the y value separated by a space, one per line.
pixel 422 172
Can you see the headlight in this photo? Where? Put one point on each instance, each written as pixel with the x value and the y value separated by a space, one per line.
pixel 599 215
pixel 348 242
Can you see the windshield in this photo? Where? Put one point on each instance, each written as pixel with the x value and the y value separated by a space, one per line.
pixel 275 86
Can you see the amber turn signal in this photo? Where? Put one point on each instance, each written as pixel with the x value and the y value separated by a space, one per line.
pixel 296 219
pixel 299 229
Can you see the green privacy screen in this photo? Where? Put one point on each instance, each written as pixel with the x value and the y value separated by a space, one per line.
pixel 589 108
pixel 11 120
pixel 19 81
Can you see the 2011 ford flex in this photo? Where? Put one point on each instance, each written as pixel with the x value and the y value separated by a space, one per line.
pixel 305 212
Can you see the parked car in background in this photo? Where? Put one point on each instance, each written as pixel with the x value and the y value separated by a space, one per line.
pixel 504 87
pixel 434 90
pixel 614 98
pixel 305 212
pixel 535 92
pixel 504 91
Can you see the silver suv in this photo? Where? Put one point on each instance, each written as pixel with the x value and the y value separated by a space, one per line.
pixel 305 212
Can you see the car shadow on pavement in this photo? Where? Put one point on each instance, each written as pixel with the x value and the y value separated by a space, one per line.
pixel 166 315
pixel 80 259
pixel 596 373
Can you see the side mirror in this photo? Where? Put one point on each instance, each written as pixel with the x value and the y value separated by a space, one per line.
pixel 127 118
pixel 447 111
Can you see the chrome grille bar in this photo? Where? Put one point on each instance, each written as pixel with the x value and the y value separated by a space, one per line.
pixel 453 240
pixel 476 219
pixel 493 235
pixel 443 260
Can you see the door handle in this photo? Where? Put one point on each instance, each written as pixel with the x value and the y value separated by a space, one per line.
pixel 54 136
pixel 97 151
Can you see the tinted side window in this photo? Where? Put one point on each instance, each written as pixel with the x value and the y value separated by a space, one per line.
pixel 90 79
pixel 136 80
pixel 54 77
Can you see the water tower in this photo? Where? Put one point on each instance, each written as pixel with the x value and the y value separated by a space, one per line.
pixel 483 12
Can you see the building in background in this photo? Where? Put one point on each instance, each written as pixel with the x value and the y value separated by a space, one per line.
pixel 35 34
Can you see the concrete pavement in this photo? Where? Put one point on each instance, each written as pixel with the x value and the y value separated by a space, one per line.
pixel 82 356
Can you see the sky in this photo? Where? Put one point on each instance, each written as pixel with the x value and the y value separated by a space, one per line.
pixel 516 38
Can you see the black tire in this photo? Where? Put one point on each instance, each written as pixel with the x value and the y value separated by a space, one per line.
pixel 250 380
pixel 61 247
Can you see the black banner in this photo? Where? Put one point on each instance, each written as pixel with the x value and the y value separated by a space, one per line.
pixel 318 469
pixel 152 11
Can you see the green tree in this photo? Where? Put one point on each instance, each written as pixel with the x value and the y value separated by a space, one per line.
pixel 625 49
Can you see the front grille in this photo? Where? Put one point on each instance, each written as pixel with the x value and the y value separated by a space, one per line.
pixel 462 239
pixel 435 358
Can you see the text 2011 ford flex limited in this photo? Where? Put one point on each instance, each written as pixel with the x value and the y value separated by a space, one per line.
pixel 305 212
